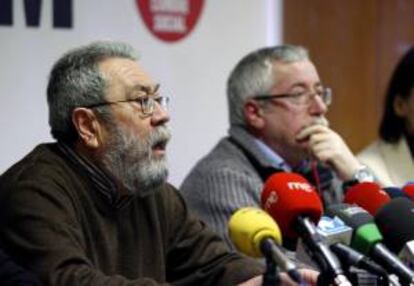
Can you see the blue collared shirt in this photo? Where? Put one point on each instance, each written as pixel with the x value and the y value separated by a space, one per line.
pixel 276 160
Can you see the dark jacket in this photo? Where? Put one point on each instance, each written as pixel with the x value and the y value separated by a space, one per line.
pixel 58 226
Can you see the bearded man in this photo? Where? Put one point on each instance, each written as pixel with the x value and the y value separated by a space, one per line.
pixel 94 207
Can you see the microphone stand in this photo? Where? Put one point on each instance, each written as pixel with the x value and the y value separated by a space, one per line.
pixel 331 272
pixel 271 275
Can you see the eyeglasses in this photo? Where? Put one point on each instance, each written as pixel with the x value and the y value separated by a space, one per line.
pixel 147 102
pixel 301 98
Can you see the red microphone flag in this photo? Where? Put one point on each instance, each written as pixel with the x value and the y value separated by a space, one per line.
pixel 286 196
pixel 368 196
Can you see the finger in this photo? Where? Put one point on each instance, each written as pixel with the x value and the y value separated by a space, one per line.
pixel 310 276
pixel 285 280
pixel 324 146
pixel 324 155
pixel 310 130
pixel 319 138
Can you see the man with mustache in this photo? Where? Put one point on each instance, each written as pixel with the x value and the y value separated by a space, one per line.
pixel 277 105
pixel 94 208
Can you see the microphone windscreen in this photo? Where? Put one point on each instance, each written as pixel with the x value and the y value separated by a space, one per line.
pixel 367 195
pixel 408 189
pixel 286 196
pixel 396 223
pixel 249 226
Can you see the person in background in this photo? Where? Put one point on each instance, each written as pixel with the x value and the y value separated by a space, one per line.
pixel 391 156
pixel 94 208
pixel 277 105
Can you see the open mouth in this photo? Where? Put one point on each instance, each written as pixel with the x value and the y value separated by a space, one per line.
pixel 160 147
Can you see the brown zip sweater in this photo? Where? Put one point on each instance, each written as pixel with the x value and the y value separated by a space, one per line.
pixel 55 223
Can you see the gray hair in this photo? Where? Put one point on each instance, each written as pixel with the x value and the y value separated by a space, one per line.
pixel 254 74
pixel 75 81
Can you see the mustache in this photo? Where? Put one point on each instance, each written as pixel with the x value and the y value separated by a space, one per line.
pixel 321 120
pixel 160 136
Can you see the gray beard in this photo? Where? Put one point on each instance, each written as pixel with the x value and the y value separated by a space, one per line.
pixel 130 160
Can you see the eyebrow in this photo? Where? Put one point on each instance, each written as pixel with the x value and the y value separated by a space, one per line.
pixel 145 88
pixel 302 85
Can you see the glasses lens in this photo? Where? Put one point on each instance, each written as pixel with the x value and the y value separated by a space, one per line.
pixel 327 96
pixel 163 101
pixel 147 105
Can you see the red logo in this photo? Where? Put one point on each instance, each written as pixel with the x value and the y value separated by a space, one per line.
pixel 170 20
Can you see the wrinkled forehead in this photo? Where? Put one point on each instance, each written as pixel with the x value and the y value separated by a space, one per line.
pixel 297 73
pixel 123 76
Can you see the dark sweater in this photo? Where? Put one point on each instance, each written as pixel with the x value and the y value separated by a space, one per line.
pixel 12 274
pixel 55 223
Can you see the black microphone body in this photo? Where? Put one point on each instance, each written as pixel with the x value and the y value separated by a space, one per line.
pixel 396 222
pixel 294 204
pixel 383 255
pixel 367 238
pixel 351 257
pixel 273 253
pixel 320 252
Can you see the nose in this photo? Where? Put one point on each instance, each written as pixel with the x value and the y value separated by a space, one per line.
pixel 160 115
pixel 318 106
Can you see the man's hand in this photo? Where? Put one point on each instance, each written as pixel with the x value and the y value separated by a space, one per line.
pixel 309 276
pixel 328 147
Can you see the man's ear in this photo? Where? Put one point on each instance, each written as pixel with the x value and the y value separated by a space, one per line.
pixel 253 114
pixel 87 125
pixel 400 106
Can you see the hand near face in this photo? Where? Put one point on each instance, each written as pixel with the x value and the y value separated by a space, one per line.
pixel 309 276
pixel 328 147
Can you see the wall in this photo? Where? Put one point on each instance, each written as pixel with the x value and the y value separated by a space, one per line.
pixel 355 45
pixel 192 70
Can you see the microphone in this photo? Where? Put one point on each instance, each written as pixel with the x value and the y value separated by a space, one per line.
pixel 408 189
pixel 396 222
pixel 280 196
pixel 407 254
pixel 367 239
pixel 368 196
pixel 334 230
pixel 294 204
pixel 338 235
pixel 395 192
pixel 256 234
